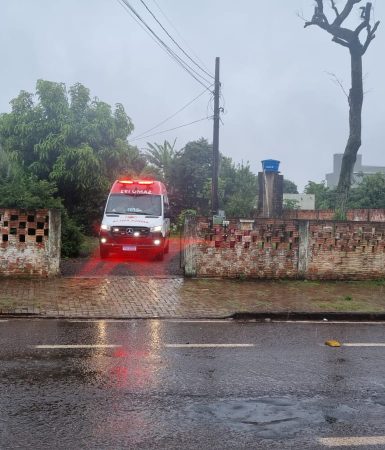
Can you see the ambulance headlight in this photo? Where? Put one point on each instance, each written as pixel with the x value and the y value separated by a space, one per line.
pixel 103 240
pixel 157 242
pixel 105 227
pixel 155 229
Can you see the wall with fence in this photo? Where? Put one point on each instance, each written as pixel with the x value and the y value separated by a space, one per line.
pixel 29 242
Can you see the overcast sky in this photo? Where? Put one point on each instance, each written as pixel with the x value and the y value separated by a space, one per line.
pixel 280 101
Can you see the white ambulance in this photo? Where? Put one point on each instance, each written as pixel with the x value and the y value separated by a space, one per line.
pixel 136 219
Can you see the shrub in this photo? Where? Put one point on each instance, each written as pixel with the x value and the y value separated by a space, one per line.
pixel 72 237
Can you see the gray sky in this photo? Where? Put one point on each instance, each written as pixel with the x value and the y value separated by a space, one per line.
pixel 280 101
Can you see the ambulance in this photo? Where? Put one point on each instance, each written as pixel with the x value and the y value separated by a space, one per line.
pixel 136 219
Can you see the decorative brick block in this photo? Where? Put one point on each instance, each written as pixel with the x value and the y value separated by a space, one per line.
pixel 28 245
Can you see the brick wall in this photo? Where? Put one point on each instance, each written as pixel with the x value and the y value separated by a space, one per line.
pixel 356 215
pixel 287 248
pixel 29 242
pixel 346 250
pixel 265 249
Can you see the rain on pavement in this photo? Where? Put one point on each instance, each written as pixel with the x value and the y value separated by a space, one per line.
pixel 126 265
pixel 124 384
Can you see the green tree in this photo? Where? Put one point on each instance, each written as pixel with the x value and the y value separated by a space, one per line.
pixel 162 157
pixel 290 204
pixel 19 189
pixel 370 193
pixel 76 142
pixel 238 188
pixel 189 176
pixel 324 196
pixel 289 187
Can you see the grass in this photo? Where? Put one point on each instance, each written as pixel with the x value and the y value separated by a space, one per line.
pixel 347 304
pixel 88 246
pixel 293 283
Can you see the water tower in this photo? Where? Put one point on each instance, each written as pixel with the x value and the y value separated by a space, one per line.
pixel 270 182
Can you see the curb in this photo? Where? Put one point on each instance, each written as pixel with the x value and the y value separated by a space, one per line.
pixel 290 316
pixel 306 316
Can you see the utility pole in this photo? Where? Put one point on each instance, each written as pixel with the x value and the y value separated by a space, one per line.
pixel 215 165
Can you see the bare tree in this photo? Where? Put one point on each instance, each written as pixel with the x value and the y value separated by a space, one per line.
pixel 349 38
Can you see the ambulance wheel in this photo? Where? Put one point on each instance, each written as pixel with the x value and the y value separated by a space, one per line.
pixel 103 252
pixel 159 256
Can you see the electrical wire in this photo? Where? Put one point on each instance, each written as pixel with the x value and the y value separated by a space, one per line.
pixel 174 41
pixel 210 104
pixel 191 71
pixel 178 33
pixel 172 116
pixel 131 10
pixel 172 129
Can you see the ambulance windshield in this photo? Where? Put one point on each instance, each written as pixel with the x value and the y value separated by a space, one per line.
pixel 134 204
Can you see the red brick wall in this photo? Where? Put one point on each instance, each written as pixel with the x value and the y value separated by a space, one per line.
pixel 357 215
pixel 278 248
pixel 346 250
pixel 269 250
pixel 29 242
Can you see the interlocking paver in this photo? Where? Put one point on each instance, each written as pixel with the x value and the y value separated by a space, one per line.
pixel 136 297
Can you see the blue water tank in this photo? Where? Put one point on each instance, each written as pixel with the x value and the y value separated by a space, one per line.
pixel 270 165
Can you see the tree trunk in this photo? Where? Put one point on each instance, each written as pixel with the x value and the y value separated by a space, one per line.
pixel 356 98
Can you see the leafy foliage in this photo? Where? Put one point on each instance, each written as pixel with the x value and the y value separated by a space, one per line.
pixel 77 143
pixel 324 196
pixel 189 175
pixel 182 216
pixel 162 157
pixel 238 189
pixel 189 180
pixel 290 204
pixel 72 237
pixel 289 187
pixel 28 192
pixel 370 193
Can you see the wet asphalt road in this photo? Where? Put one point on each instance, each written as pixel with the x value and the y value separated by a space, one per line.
pixel 285 390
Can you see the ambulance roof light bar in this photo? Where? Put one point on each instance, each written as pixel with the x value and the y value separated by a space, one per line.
pixel 142 182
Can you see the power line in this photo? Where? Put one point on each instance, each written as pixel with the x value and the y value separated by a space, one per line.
pixel 173 40
pixel 191 71
pixel 172 129
pixel 170 117
pixel 178 33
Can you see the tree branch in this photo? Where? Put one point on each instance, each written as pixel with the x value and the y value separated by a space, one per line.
pixel 340 41
pixel 334 7
pixel 339 82
pixel 345 12
pixel 319 17
pixel 370 37
pixel 344 36
pixel 365 15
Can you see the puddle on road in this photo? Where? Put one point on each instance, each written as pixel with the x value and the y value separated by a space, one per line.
pixel 273 418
